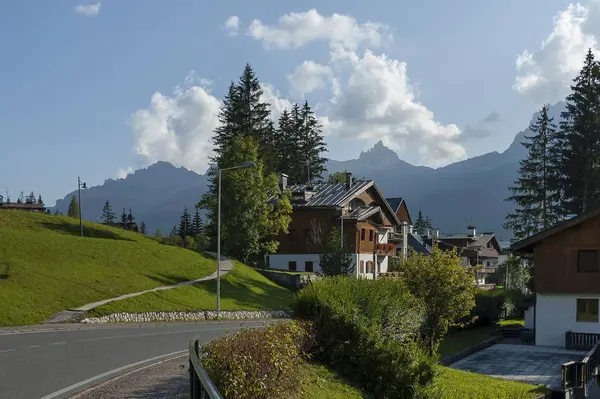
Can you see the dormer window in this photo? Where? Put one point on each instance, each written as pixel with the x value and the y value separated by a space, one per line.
pixel 356 203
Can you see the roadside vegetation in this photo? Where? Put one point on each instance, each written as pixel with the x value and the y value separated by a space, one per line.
pixel 46 267
pixel 241 289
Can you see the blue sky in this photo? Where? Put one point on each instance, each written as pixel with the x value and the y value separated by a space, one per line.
pixel 72 83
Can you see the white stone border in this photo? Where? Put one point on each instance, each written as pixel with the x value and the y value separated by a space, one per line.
pixel 185 316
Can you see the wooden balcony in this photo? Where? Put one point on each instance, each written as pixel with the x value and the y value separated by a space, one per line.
pixel 385 249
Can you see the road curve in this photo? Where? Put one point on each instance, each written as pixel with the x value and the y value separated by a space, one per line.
pixel 47 364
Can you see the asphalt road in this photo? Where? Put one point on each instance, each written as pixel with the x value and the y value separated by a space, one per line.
pixel 42 364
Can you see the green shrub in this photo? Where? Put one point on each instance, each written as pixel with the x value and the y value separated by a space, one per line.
pixel 258 363
pixel 488 307
pixel 368 330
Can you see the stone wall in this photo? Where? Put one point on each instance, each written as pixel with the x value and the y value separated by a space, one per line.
pixel 292 281
pixel 184 316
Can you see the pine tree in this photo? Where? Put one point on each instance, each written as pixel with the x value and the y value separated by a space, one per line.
pixel 21 198
pixel 419 225
pixel 73 211
pixel 535 193
pixel 579 141
pixel 312 145
pixel 40 201
pixel 123 223
pixel 197 227
pixel 143 228
pixel 185 225
pixel 130 223
pixel 108 216
pixel 32 197
pixel 173 232
pixel 427 224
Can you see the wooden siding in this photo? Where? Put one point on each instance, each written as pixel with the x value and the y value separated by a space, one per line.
pixel 402 213
pixel 555 260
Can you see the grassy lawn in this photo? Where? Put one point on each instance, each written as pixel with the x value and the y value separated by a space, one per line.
pixel 462 384
pixel 241 289
pixel 457 341
pixel 512 323
pixel 320 382
pixel 45 267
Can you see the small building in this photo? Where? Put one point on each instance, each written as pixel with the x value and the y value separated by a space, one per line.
pixel 356 207
pixel 28 205
pixel 567 278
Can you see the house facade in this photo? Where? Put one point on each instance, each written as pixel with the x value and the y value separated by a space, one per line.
pixel 358 209
pixel 400 238
pixel 28 205
pixel 566 277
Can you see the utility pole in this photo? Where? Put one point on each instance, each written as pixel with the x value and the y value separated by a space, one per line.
pixel 79 187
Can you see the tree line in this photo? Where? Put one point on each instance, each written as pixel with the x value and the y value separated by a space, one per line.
pixel 254 208
pixel 560 176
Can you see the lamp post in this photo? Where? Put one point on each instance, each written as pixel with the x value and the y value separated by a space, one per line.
pixel 220 171
pixel 80 185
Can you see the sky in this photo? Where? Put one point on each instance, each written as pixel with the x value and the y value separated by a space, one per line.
pixel 99 89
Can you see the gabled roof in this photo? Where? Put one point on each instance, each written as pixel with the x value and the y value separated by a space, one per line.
pixel 22 205
pixel 396 203
pixel 477 241
pixel 527 244
pixel 336 194
pixel 417 244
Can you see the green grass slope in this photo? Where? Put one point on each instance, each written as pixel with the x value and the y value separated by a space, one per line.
pixel 241 289
pixel 45 267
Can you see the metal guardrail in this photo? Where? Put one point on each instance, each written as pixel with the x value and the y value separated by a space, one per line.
pixel 201 386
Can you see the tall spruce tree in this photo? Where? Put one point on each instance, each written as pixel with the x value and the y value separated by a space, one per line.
pixel 197 227
pixel 108 216
pixel 419 225
pixel 185 225
pixel 32 197
pixel 312 146
pixel 143 228
pixel 123 222
pixel 579 141
pixel 427 224
pixel 535 192
pixel 73 210
pixel 131 224
pixel 40 201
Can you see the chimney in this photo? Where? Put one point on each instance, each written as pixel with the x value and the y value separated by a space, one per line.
pixel 472 229
pixel 348 180
pixel 436 233
pixel 283 181
pixel 410 229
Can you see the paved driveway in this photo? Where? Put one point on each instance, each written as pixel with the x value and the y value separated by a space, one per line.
pixel 537 365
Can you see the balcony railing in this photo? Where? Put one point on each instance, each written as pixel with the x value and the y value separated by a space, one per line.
pixel 578 376
pixel 385 249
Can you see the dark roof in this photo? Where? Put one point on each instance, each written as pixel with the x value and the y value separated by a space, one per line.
pixel 330 194
pixel 23 205
pixel 479 240
pixel 395 203
pixel 336 194
pixel 417 244
pixel 527 244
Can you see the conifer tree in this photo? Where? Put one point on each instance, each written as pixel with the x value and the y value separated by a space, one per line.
pixel 32 197
pixel 40 201
pixel 312 145
pixel 108 216
pixel 427 224
pixel 197 227
pixel 173 232
pixel 73 211
pixel 123 222
pixel 158 234
pixel 21 198
pixel 185 225
pixel 56 212
pixel 131 225
pixel 535 192
pixel 143 228
pixel 579 141
pixel 419 225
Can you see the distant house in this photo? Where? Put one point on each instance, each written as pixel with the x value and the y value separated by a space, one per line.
pixel 28 205
pixel 567 278
pixel 358 208
pixel 400 237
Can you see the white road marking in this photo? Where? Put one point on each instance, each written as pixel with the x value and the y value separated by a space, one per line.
pixel 108 373
pixel 32 346
pixel 58 343
pixel 6 350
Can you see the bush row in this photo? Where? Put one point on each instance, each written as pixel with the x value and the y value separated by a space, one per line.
pixel 367 330
pixel 494 305
pixel 258 363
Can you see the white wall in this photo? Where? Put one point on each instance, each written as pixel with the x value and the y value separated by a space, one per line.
pixel 529 317
pixel 281 261
pixel 556 314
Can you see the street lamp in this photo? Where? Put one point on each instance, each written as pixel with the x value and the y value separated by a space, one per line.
pixel 80 185
pixel 220 171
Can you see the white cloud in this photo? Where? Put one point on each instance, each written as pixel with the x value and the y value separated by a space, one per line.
pixel 232 25
pixel 123 173
pixel 89 10
pixel 545 75
pixel 298 29
pixel 309 76
pixel 177 128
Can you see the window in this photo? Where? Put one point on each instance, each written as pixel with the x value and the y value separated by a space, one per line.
pixel 378 267
pixel 587 261
pixel 370 235
pixel 488 264
pixel 362 266
pixel 292 265
pixel 308 266
pixel 369 267
pixel 362 234
pixel 587 310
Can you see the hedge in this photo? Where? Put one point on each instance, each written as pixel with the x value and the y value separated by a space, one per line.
pixel 368 330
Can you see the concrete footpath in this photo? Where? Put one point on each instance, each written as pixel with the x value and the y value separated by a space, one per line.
pixel 168 379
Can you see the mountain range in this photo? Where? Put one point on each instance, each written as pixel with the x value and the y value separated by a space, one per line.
pixel 466 192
